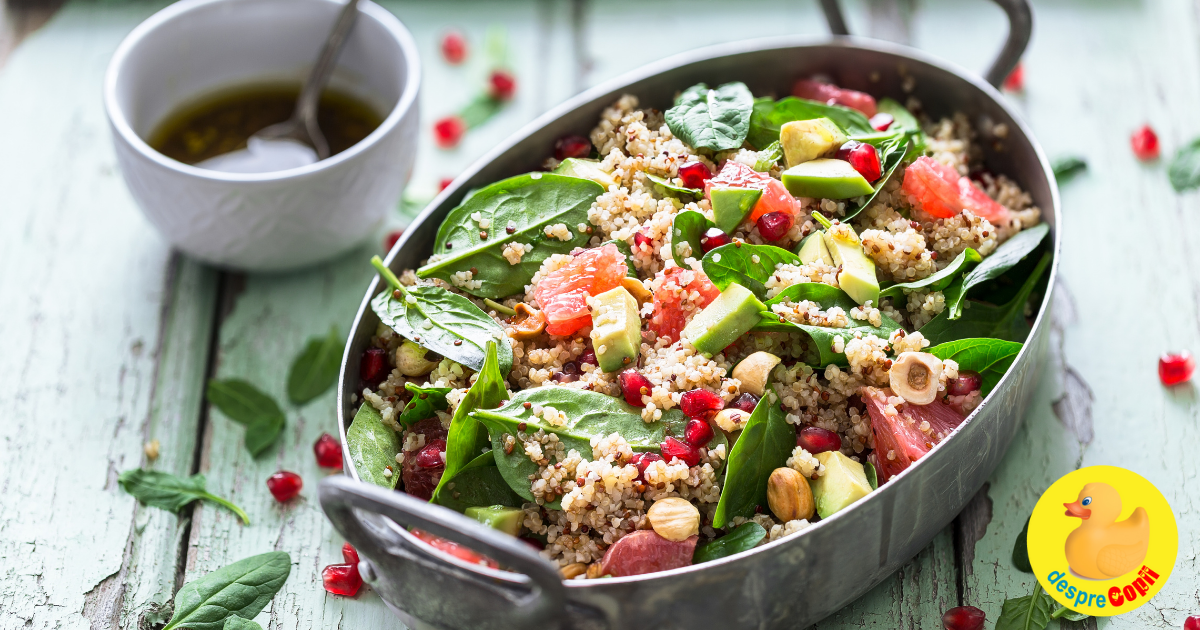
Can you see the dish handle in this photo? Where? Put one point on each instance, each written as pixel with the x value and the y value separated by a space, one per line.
pixel 1020 26
pixel 340 496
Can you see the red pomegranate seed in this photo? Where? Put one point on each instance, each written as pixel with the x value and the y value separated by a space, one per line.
pixel 746 402
pixel 502 85
pixel 964 618
pixel 389 241
pixel 431 454
pixel 640 240
pixel 774 225
pixel 634 386
pixel 881 121
pixel 454 47
pixel 698 433
pixel 865 159
pixel 533 542
pixel 1145 143
pixel 448 131
pixel 686 453
pixel 1192 623
pixel 572 147
pixel 642 461
pixel 714 238
pixel 1015 81
pixel 371 367
pixel 588 357
pixel 284 485
pixel 817 440
pixel 445 183
pixel 694 174
pixel 328 451
pixel 966 383
pixel 1174 369
pixel 843 152
pixel 341 579
pixel 350 554
pixel 700 404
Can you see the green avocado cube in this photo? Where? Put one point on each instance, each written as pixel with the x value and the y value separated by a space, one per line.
pixel 731 205
pixel 505 519
pixel 805 140
pixel 616 329
pixel 586 169
pixel 728 317
pixel 813 249
pixel 857 274
pixel 843 482
pixel 826 179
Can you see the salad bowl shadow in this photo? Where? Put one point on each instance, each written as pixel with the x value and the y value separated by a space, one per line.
pixel 791 582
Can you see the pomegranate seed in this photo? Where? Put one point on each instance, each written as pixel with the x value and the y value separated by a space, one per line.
pixel 341 579
pixel 587 357
pixel 350 554
pixel 1015 81
pixel 694 174
pixel 843 152
pixel 881 121
pixel 817 440
pixel 1145 143
pixel 966 383
pixel 774 225
pixel 1192 623
pixel 964 618
pixel 389 241
pixel 284 485
pixel 431 454
pixel 445 183
pixel 634 386
pixel 746 402
pixel 328 451
pixel 371 367
pixel 572 147
pixel 501 85
pixel 642 461
pixel 454 47
pixel 533 542
pixel 675 449
pixel 714 238
pixel 640 240
pixel 448 131
pixel 700 404
pixel 865 159
pixel 1174 369
pixel 563 376
pixel 698 433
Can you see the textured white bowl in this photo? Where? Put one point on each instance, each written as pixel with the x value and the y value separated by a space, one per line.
pixel 267 221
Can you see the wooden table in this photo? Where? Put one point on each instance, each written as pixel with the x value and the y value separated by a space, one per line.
pixel 109 336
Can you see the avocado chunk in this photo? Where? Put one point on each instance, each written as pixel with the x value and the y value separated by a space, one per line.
pixel 505 519
pixel 728 317
pixel 813 249
pixel 857 274
pixel 843 482
pixel 616 329
pixel 586 169
pixel 731 205
pixel 826 179
pixel 805 140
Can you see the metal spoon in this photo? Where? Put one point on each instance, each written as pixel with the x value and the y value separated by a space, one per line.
pixel 297 141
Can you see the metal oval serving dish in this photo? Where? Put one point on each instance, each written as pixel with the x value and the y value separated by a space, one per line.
pixel 791 582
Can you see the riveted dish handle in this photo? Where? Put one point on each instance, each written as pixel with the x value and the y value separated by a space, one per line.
pixel 1020 26
pixel 339 495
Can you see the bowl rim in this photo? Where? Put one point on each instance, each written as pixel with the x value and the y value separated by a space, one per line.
pixel 179 10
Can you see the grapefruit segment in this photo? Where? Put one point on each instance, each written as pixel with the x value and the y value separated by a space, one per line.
pixel 670 315
pixel 904 438
pixel 562 294
pixel 939 191
pixel 775 197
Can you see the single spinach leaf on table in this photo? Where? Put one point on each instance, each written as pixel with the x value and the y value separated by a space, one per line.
pixel 1067 167
pixel 440 320
pixel 765 444
pixel 670 187
pixel 237 623
pixel 1006 321
pixel 1020 552
pixel 937 281
pixel 1004 258
pixel 1031 612
pixel 425 403
pixel 169 492
pixel 716 119
pixel 1184 171
pixel 478 484
pixel 316 368
pixel 736 262
pixel 242 589
pixel 769 116
pixel 744 537
pixel 467 437
pixel 820 351
pixel 373 446
pixel 991 358
pixel 688 227
pixel 527 204
pixel 891 155
pixel 1066 613
pixel 247 405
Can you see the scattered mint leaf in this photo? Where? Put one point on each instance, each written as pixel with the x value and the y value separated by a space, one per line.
pixel 242 589
pixel 1066 168
pixel 316 368
pixel 247 405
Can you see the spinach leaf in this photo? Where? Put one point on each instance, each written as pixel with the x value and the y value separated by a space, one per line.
pixel 872 475
pixel 938 281
pixel 670 187
pixel 765 444
pixel 712 119
pixel 1006 321
pixel 902 118
pixel 526 204
pixel 1066 613
pixel 1184 171
pixel 478 484
pixel 467 437
pixel 891 155
pixel 744 537
pixel 169 492
pixel 769 157
pixel 1066 168
pixel 768 118
pixel 1031 612
pixel 991 358
pixel 1000 261
pixel 237 623
pixel 316 369
pixel 1020 552
pixel 373 446
pixel 241 589
pixel 819 352
pixel 425 402
pixel 440 320
pixel 247 405
pixel 748 265
pixel 688 227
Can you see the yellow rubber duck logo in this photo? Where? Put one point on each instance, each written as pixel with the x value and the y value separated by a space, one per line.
pixel 1103 547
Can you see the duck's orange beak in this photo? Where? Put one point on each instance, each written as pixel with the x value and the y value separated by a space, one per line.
pixel 1077 510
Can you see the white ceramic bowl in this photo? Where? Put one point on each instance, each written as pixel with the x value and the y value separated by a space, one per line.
pixel 267 221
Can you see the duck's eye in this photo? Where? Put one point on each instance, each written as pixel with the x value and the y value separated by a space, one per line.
pixel 1087 501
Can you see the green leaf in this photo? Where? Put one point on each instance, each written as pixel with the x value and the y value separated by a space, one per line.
pixel 901 117
pixel 373 446
pixel 425 402
pixel 1184 171
pixel 247 405
pixel 467 437
pixel 1066 168
pixel 769 157
pixel 670 187
pixel 1004 258
pixel 991 358
pixel 819 352
pixel 938 281
pixel 1020 552
pixel 1006 321
pixel 169 492
pixel 1066 613
pixel 1031 612
pixel 715 119
pixel 316 368
pixel 688 227
pixel 241 589
pixel 768 117
pixel 765 444
pixel 526 204
pixel 872 475
pixel 891 155
pixel 237 623
pixel 736 262
pixel 478 484
pixel 744 537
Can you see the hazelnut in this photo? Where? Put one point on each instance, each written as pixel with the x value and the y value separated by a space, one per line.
pixel 674 519
pixel 572 571
pixel 637 290
pixel 754 370
pixel 595 570
pixel 914 376
pixel 789 495
pixel 731 419
pixel 410 359
pixel 527 323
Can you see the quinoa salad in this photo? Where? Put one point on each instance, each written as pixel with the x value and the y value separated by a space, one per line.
pixel 703 329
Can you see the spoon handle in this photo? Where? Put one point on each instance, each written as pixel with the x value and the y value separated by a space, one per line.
pixel 310 95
